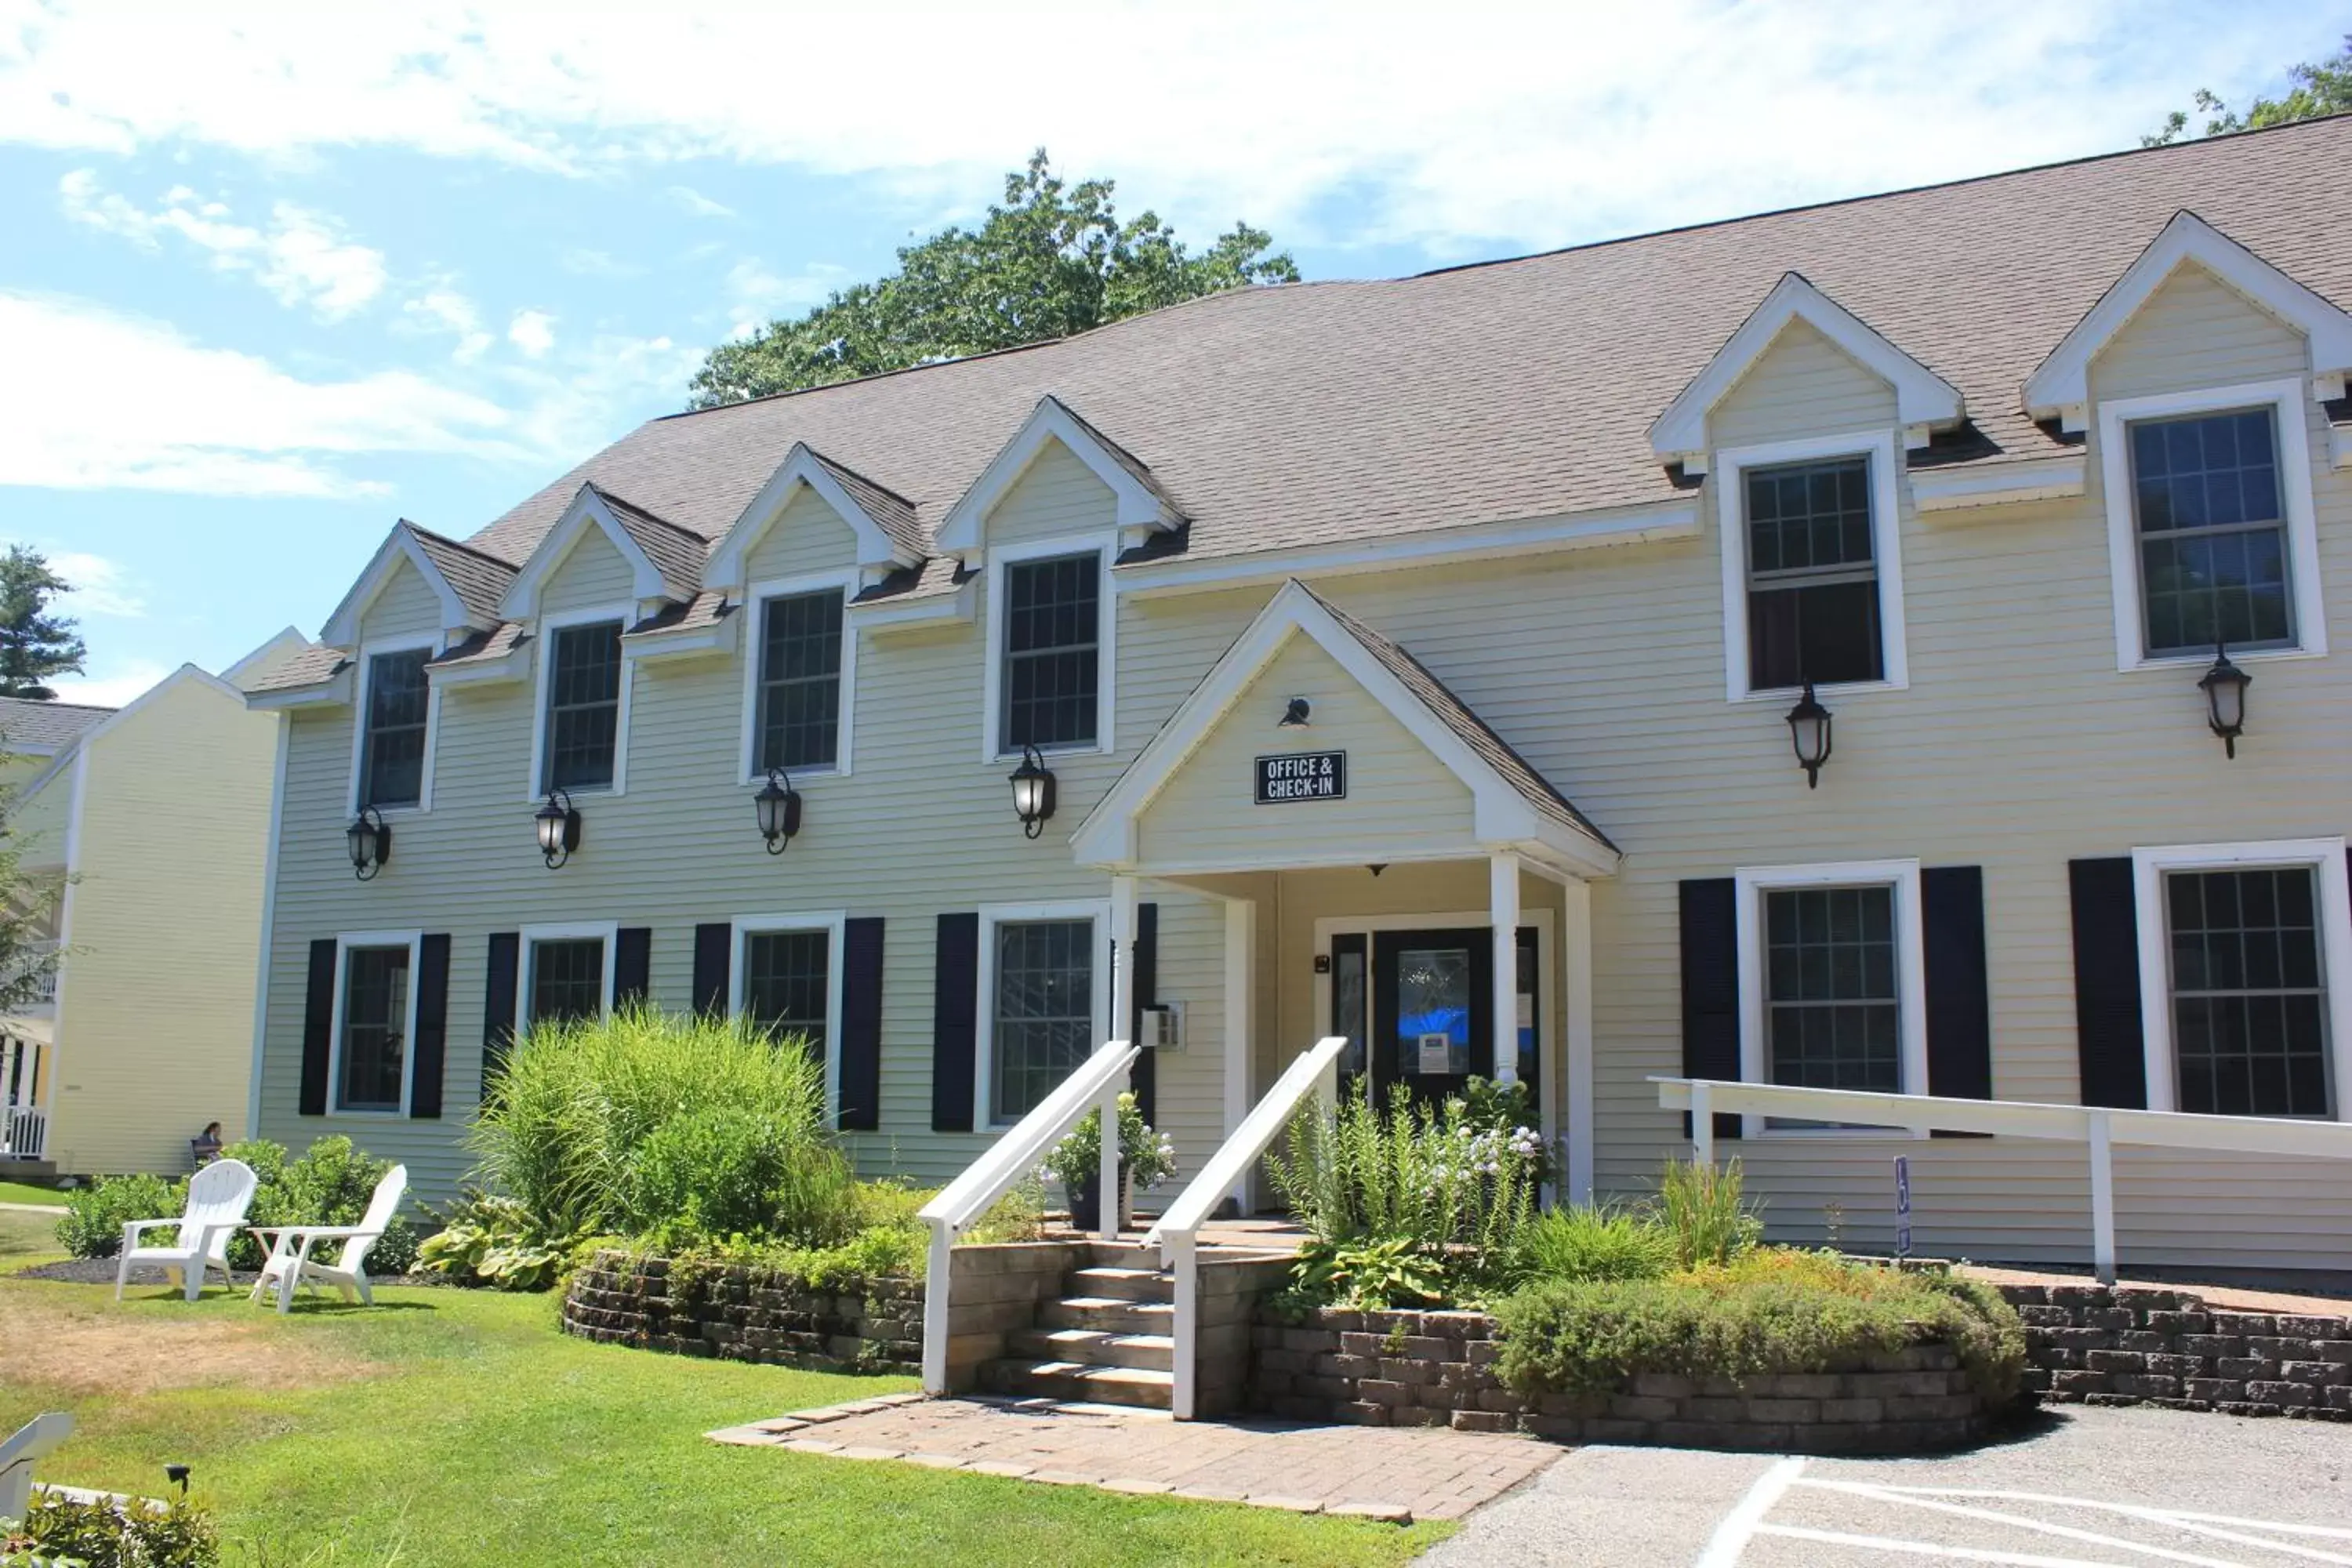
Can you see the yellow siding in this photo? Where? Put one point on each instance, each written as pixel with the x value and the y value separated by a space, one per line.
pixel 2195 331
pixel 38 822
pixel 155 1028
pixel 407 607
pixel 1057 495
pixel 1804 384
pixel 809 536
pixel 593 575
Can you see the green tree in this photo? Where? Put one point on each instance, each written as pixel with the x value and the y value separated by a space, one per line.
pixel 1053 260
pixel 2321 86
pixel 34 644
pixel 28 959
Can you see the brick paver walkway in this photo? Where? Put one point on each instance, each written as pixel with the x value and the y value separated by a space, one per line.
pixel 1398 1473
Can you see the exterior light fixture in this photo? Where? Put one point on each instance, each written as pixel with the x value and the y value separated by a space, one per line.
pixel 369 840
pixel 1033 791
pixel 779 806
pixel 1294 717
pixel 1809 731
pixel 2224 686
pixel 558 827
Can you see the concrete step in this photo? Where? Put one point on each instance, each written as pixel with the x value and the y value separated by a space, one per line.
pixel 1109 1315
pixel 1095 1347
pixel 1071 1381
pixel 1124 1255
pixel 1121 1284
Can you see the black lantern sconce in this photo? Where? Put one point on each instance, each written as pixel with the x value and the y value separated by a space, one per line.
pixel 779 806
pixel 558 828
pixel 369 840
pixel 2224 686
pixel 1297 716
pixel 1033 791
pixel 1809 732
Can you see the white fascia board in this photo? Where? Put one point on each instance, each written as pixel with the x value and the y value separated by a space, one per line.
pixel 290 640
pixel 1998 484
pixel 1922 398
pixel 1528 536
pixel 931 610
pixel 876 548
pixel 587 510
pixel 964 531
pixel 2059 388
pixel 180 676
pixel 342 627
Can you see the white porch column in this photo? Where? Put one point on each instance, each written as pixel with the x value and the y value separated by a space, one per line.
pixel 1240 997
pixel 1576 986
pixel 1503 911
pixel 1122 1014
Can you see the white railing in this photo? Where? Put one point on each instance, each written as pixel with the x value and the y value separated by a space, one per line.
pixel 2098 1126
pixel 1178 1233
pixel 36 954
pixel 23 1132
pixel 37 1439
pixel 1094 1083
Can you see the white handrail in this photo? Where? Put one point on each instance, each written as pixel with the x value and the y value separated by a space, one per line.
pixel 37 1439
pixel 1178 1233
pixel 1000 1165
pixel 2098 1126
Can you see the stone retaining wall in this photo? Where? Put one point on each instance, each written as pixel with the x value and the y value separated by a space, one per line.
pixel 740 1315
pixel 2102 1344
pixel 1437 1369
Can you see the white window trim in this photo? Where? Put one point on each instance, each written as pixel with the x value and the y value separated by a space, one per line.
pixel 755 600
pixel 1000 556
pixel 1885 542
pixel 368 652
pixel 607 932
pixel 833 923
pixel 2334 910
pixel 2285 399
pixel 547 627
pixel 994 915
pixel 1910 969
pixel 345 942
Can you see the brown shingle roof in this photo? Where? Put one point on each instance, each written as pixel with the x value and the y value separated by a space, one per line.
pixel 891 512
pixel 677 553
pixel 479 580
pixel 310 666
pixel 1332 412
pixel 46 727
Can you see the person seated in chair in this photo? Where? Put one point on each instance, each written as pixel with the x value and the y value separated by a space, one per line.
pixel 207 1145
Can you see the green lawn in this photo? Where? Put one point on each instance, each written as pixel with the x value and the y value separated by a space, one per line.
pixel 484 1435
pixel 26 1193
pixel 26 1240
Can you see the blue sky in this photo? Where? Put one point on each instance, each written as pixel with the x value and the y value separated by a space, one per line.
pixel 273 277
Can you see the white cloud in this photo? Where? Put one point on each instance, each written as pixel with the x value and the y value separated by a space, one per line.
pixel 442 308
pixel 533 331
pixel 1455 130
pixel 698 205
pixel 100 585
pixel 755 295
pixel 583 262
pixel 302 256
pixel 121 683
pixel 98 400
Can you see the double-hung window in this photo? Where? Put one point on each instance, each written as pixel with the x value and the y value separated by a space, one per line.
pixel 2211 532
pixel 800 682
pixel 787 983
pixel 1833 1016
pixel 1052 652
pixel 371 1069
pixel 392 746
pixel 583 707
pixel 568 979
pixel 1813 574
pixel 2248 990
pixel 1042 1021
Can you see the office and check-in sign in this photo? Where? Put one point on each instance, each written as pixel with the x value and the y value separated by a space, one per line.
pixel 1302 775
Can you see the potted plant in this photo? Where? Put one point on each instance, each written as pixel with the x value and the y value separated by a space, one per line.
pixel 1145 1158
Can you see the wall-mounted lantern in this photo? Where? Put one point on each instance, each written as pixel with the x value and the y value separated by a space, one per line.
pixel 369 840
pixel 558 828
pixel 779 806
pixel 1033 791
pixel 1297 716
pixel 2224 686
pixel 1809 732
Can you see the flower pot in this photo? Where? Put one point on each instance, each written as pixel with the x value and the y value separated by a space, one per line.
pixel 1086 1203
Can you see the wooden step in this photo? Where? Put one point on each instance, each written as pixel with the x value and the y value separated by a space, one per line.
pixel 1107 1314
pixel 1070 1381
pixel 1121 1284
pixel 1095 1347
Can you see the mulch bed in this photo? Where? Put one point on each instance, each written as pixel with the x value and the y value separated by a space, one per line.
pixel 100 1271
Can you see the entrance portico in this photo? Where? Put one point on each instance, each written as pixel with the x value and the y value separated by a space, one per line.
pixel 1390 870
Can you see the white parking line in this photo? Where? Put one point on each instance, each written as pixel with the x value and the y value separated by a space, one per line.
pixel 1739 1526
pixel 1930 1549
pixel 2211 1526
pixel 2017 1522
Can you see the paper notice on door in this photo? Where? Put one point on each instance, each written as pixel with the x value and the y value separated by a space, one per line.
pixel 1436 1055
pixel 1526 1011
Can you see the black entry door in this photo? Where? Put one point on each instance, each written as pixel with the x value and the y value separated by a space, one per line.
pixel 1432 1020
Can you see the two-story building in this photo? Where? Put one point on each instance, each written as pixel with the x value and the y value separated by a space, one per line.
pixel 1450 663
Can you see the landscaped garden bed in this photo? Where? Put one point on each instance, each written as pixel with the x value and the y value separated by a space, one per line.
pixel 742 1312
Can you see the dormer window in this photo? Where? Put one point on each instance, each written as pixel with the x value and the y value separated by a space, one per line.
pixel 583 706
pixel 1812 576
pixel 1052 610
pixel 2212 532
pixel 800 702
pixel 392 741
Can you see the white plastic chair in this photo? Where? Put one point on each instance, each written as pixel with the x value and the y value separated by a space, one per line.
pixel 218 1197
pixel 290 1263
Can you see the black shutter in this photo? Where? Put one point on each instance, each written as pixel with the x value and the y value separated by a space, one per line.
pixel 714 954
pixel 2107 1033
pixel 1959 1003
pixel 860 1050
pixel 1145 1075
pixel 317 1027
pixel 498 1002
pixel 632 966
pixel 432 1025
pixel 955 1022
pixel 1710 922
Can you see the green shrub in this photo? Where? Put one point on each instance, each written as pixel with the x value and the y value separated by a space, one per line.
pixel 489 1240
pixel 330 1185
pixel 95 1214
pixel 1773 1312
pixel 715 1170
pixel 1704 1211
pixel 1368 1276
pixel 1018 1216
pixel 56 1529
pixel 1147 1157
pixel 1586 1243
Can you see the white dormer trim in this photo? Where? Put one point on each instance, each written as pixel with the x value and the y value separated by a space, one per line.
pixel 342 627
pixel 1141 509
pixel 877 552
pixel 2060 387
pixel 1924 401
pixel 587 510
